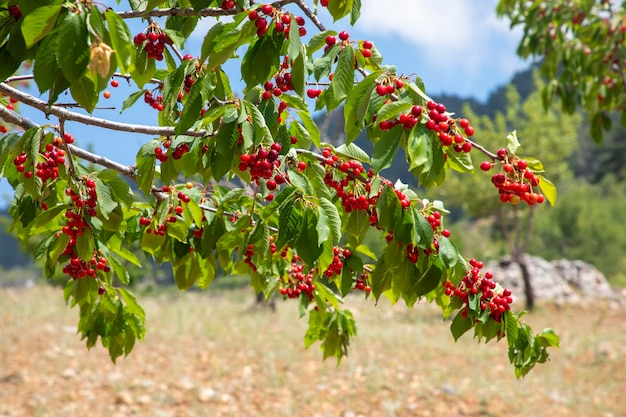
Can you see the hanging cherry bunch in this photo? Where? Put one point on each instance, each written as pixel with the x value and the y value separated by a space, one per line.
pixel 362 283
pixel 153 41
pixel 154 98
pixel 261 165
pixel 283 21
pixel 479 295
pixel 296 281
pixel 281 84
pixel 84 201
pixel 516 180
pixel 47 168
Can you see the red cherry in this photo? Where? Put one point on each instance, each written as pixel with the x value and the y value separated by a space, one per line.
pixel 485 166
pixel 343 35
pixel 267 9
pixel 367 44
pixel 381 90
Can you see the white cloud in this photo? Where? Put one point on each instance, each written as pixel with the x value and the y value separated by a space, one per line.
pixel 455 33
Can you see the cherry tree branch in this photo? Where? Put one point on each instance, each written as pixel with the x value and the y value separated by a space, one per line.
pixel 189 11
pixel 25 123
pixel 16 119
pixel 127 171
pixel 309 13
pixel 65 114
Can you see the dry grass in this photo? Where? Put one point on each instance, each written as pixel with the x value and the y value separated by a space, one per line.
pixel 208 355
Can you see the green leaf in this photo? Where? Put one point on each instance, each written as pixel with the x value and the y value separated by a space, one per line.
pixel 418 152
pixel 356 105
pixel 422 230
pixel 392 109
pixel 389 209
pixel 262 59
pixel 511 326
pixel 548 338
pixel 295 43
pixel 329 222
pixel 72 47
pixel 357 226
pixel 340 8
pixel 429 281
pixel 307 244
pixel 343 78
pixel 459 161
pixel 512 144
pixel 226 142
pixel 131 99
pixel 355 12
pixel 106 202
pixel 305 116
pixel 146 160
pixel 385 149
pixel 46 68
pixel 448 252
pixel 84 92
pixel 351 151
pixel 548 189
pixel 144 69
pixel 85 245
pixel 121 41
pixel 220 43
pixel 191 110
pixel 289 225
pixel 459 326
pixel 39 23
pixel 298 74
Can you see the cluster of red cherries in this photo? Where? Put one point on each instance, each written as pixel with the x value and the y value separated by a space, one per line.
pixel 154 101
pixel 283 84
pixel 48 169
pixel 516 181
pixel 474 283
pixel 153 42
pixel 261 165
pixel 297 282
pixel 336 266
pixel 283 21
pixel 84 202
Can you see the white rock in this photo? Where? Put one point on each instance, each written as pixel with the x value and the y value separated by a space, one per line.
pixel 206 394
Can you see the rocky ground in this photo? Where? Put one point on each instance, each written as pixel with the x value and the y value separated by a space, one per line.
pixel 208 355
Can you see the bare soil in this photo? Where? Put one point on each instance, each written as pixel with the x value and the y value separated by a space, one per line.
pixel 216 355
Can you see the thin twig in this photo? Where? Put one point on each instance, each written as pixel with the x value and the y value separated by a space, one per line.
pixel 307 11
pixel 62 113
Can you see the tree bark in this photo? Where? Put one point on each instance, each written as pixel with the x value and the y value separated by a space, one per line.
pixel 528 286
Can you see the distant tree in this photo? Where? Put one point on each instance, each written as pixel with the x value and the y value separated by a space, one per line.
pixel 582 47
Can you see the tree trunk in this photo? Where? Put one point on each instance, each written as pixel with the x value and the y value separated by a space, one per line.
pixel 528 287
pixel 262 302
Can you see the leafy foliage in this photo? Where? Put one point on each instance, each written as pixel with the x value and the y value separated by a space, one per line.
pixel 242 183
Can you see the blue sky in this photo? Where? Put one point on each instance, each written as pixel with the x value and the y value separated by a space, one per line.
pixel 455 46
